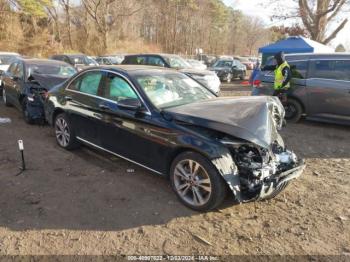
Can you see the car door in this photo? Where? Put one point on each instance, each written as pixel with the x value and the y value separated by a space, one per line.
pixel 14 83
pixel 8 81
pixel 297 88
pixel 83 103
pixel 129 133
pixel 328 88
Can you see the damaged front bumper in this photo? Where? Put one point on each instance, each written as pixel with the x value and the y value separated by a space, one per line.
pixel 35 107
pixel 273 185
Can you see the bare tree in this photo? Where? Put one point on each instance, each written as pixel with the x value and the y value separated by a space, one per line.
pixel 317 16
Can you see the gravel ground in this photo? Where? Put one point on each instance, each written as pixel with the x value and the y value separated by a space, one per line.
pixel 87 202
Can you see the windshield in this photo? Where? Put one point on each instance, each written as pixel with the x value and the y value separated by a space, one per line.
pixel 7 59
pixel 177 62
pixel 169 89
pixel 47 69
pixel 223 63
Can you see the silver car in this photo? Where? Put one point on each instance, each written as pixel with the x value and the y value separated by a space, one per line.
pixel 320 87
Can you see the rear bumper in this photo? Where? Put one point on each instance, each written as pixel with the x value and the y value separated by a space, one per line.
pixel 273 184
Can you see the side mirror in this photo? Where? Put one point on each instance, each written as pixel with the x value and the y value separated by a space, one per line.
pixel 133 104
pixel 2 72
pixel 15 78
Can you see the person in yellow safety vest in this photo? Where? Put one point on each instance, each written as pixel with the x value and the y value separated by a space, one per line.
pixel 283 76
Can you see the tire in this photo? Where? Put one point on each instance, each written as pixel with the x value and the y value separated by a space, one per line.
pixel 212 190
pixel 293 110
pixel 5 98
pixel 229 78
pixel 64 132
pixel 26 116
pixel 242 76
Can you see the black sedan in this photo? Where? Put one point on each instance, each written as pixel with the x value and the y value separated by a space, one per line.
pixel 168 123
pixel 26 82
pixel 229 69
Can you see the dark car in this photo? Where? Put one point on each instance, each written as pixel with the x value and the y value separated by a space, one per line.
pixel 228 69
pixel 79 61
pixel 205 77
pixel 320 87
pixel 27 80
pixel 168 123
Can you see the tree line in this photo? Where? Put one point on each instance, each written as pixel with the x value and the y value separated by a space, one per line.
pixel 42 27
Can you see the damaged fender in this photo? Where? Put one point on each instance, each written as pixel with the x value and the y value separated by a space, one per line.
pixel 229 171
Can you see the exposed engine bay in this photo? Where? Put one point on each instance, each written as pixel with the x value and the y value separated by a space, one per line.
pixel 260 169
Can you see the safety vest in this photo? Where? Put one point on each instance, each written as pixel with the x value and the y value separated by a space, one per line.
pixel 279 76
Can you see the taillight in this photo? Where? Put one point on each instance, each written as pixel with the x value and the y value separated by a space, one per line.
pixel 256 83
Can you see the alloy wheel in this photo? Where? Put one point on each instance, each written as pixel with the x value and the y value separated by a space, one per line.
pixel 62 132
pixel 192 182
pixel 290 111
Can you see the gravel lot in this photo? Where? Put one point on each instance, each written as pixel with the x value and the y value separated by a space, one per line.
pixel 87 202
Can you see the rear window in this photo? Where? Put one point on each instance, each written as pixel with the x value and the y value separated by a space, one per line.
pixel 135 60
pixel 330 69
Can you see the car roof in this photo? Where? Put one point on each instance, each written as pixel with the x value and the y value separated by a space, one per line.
pixel 151 54
pixel 304 56
pixel 131 69
pixel 36 61
pixel 9 53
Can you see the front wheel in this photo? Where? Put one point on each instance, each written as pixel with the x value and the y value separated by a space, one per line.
pixel 5 98
pixel 196 182
pixel 293 110
pixel 26 115
pixel 229 78
pixel 65 136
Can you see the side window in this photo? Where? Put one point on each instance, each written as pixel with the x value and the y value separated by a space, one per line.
pixel 19 71
pixel 117 89
pixel 12 68
pixel 331 69
pixel 156 61
pixel 87 83
pixel 65 59
pixel 298 68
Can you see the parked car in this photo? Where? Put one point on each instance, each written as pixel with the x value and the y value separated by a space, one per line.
pixel 168 123
pixel 320 87
pixel 205 77
pixel 27 80
pixel 228 69
pixel 197 64
pixel 107 60
pixel 79 61
pixel 6 58
pixel 246 61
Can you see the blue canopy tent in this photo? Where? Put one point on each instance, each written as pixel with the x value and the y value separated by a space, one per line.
pixel 293 44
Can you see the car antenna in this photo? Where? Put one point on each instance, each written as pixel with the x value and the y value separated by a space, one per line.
pixel 21 149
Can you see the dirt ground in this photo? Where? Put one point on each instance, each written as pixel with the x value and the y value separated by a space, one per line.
pixel 87 202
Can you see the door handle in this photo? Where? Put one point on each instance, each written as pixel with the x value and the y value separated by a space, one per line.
pixel 104 107
pixel 68 98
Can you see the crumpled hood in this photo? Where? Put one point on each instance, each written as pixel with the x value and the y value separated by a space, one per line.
pixel 48 81
pixel 248 118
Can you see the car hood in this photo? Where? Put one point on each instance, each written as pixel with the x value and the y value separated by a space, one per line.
pixel 48 81
pixel 248 118
pixel 220 68
pixel 193 71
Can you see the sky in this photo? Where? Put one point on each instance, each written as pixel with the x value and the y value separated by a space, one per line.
pixel 254 8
